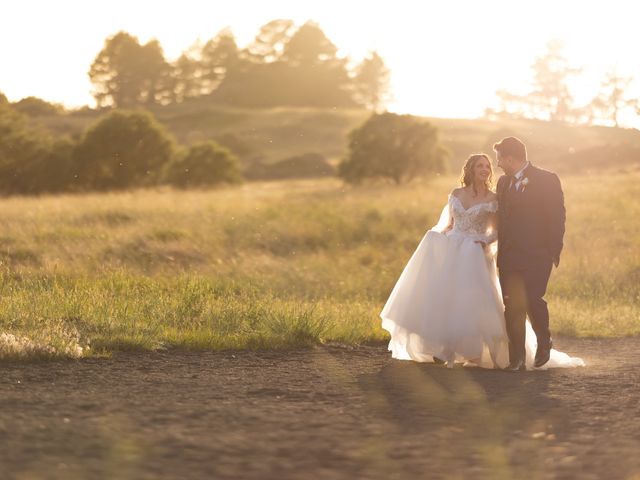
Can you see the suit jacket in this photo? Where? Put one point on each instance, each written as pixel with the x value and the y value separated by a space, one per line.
pixel 530 221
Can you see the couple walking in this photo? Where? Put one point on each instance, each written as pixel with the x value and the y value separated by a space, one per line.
pixel 453 302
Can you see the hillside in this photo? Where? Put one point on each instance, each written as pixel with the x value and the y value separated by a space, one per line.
pixel 270 135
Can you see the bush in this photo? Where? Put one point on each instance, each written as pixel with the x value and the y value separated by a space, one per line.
pixel 123 150
pixel 22 150
pixel 205 164
pixel 57 171
pixel 35 107
pixel 399 147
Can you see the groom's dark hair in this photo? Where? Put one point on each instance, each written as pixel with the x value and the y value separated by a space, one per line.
pixel 511 146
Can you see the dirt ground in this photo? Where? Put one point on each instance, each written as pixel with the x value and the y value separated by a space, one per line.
pixel 331 412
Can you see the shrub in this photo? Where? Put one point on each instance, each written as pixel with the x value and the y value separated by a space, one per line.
pixel 394 146
pixel 123 150
pixel 205 164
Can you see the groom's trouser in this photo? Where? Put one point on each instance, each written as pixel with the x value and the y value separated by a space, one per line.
pixel 522 292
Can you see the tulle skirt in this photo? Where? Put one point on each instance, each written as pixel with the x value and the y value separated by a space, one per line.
pixel 447 304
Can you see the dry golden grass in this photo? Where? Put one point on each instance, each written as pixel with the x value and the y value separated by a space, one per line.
pixel 272 264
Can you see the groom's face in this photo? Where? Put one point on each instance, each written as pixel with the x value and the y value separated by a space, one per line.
pixel 504 163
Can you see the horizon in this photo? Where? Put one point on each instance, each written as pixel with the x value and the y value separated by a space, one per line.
pixel 452 93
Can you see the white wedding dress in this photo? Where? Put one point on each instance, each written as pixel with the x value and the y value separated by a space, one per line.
pixel 447 302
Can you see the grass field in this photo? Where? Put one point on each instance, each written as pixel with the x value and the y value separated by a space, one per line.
pixel 271 264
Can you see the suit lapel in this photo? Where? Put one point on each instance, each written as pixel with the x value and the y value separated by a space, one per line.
pixel 511 198
pixel 525 174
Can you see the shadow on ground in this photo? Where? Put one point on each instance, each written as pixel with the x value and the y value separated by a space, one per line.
pixel 331 412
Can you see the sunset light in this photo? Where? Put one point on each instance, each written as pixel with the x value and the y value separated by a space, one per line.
pixel 447 58
pixel 331 239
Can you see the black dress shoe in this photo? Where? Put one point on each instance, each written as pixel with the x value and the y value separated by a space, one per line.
pixel 517 366
pixel 438 361
pixel 542 355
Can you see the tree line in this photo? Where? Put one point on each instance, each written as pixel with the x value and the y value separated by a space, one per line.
pixel 123 149
pixel 127 149
pixel 551 99
pixel 285 65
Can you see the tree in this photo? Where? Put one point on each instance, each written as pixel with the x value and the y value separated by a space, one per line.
pixel 283 66
pixel 20 148
pixel 205 164
pixel 307 73
pixel 218 57
pixel 34 107
pixel 510 105
pixel 394 146
pixel 371 82
pixel 268 45
pixel 31 161
pixel 550 98
pixel 612 98
pixel 126 74
pixel 187 75
pixel 315 75
pixel 551 92
pixel 186 82
pixel 157 81
pixel 309 46
pixel 122 150
pixel 54 171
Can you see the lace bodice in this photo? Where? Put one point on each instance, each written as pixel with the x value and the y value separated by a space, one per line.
pixel 475 220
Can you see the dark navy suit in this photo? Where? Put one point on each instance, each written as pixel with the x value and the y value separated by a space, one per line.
pixel 530 232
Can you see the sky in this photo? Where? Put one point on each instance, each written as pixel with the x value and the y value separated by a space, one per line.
pixel 447 58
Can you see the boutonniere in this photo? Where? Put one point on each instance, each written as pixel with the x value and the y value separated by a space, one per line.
pixel 524 183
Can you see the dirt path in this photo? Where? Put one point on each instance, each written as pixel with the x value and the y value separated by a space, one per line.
pixel 331 412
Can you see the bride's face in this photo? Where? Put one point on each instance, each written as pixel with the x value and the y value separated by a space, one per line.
pixel 482 170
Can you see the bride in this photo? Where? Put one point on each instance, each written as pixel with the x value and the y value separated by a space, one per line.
pixel 447 304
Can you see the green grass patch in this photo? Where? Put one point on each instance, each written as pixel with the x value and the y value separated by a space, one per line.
pixel 271 264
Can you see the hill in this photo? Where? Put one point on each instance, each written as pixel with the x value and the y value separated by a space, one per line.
pixel 276 134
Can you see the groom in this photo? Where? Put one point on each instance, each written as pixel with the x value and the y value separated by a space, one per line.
pixel 531 217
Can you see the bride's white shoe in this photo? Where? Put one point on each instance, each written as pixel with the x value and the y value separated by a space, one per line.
pixel 471 363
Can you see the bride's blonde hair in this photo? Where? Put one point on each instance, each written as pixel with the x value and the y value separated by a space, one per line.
pixel 467 171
